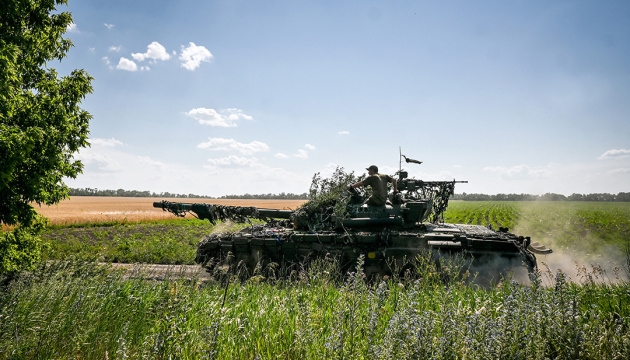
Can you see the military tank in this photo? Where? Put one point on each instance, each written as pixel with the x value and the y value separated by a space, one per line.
pixel 338 222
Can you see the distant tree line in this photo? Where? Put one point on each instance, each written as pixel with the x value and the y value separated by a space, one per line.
pixel 282 195
pixel 622 196
pixel 128 193
pixel 136 193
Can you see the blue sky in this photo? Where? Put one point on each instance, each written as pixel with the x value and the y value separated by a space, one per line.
pixel 233 97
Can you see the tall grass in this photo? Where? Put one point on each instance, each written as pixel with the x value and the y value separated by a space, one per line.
pixel 71 310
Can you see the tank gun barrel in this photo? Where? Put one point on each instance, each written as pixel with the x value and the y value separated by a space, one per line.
pixel 411 184
pixel 215 212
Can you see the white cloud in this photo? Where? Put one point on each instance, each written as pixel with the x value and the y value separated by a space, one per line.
pixel 155 51
pixel 72 28
pixel 147 160
pixel 126 64
pixel 301 154
pixel 115 48
pixel 233 145
pixel 106 60
pixel 192 56
pixel 109 26
pixel 343 132
pixel 615 154
pixel 105 142
pixel 102 162
pixel 234 160
pixel 518 172
pixel 227 118
pixel 620 171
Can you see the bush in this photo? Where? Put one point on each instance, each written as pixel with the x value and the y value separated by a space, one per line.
pixel 21 247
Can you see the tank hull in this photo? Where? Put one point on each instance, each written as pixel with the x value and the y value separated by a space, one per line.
pixel 384 251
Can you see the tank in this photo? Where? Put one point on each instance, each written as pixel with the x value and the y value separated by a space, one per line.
pixel 338 222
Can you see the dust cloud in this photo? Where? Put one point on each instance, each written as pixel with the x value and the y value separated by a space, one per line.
pixel 580 254
pixel 607 265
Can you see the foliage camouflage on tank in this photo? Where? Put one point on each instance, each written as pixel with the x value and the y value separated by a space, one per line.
pixel 336 222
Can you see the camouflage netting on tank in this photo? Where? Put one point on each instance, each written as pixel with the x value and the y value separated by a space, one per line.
pixel 439 193
pixel 327 200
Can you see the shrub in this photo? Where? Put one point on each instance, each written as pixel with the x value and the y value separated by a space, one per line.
pixel 21 247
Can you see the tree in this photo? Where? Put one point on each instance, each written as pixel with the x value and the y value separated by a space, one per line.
pixel 41 123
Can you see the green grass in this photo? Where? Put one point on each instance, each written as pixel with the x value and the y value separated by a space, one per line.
pixel 72 310
pixel 78 309
pixel 159 242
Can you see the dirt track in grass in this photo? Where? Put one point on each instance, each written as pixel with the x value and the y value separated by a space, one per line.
pixel 161 272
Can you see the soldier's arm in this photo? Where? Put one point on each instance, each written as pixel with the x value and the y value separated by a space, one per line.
pixel 360 183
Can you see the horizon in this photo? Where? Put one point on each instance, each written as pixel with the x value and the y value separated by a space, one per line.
pixel 153 194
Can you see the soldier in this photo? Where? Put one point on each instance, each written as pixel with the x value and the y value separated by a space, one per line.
pixel 378 182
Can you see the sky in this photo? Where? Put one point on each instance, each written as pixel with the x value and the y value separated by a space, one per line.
pixel 233 97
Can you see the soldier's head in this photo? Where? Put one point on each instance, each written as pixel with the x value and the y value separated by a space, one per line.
pixel 373 169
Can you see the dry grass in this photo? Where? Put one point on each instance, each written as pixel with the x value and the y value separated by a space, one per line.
pixel 86 209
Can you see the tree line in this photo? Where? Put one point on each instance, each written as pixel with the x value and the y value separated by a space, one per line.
pixel 136 193
pixel 282 195
pixel 620 197
pixel 128 193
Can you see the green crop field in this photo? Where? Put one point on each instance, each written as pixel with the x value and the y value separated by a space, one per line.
pixel 79 308
pixel 580 226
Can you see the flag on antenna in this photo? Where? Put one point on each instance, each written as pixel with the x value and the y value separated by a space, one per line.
pixel 408 160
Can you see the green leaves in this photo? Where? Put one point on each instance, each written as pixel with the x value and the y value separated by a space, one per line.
pixel 20 248
pixel 41 122
pixel 326 196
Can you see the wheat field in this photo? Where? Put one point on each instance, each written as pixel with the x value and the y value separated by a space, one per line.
pixel 86 209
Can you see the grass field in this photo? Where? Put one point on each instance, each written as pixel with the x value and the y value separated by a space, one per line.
pixel 131 230
pixel 81 309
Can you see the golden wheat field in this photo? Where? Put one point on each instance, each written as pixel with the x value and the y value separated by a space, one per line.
pixel 85 209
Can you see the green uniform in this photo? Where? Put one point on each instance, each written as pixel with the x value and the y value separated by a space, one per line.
pixel 378 182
